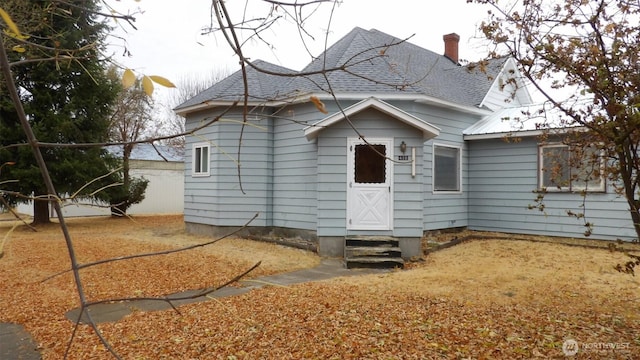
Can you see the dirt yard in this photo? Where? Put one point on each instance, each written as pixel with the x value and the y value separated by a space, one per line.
pixel 482 299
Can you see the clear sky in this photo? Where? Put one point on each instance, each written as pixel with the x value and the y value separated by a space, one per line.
pixel 168 41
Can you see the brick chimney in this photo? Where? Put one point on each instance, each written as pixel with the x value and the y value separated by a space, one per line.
pixel 451 46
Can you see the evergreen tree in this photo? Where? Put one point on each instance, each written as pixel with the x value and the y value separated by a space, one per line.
pixel 67 97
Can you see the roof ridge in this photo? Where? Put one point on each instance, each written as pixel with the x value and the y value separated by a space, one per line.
pixel 375 64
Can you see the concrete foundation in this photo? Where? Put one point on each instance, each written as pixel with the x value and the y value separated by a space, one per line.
pixel 331 246
pixel 411 247
pixel 325 246
pixel 302 239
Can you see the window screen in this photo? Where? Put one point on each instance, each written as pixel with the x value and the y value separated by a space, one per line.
pixel 370 164
pixel 446 168
pixel 563 168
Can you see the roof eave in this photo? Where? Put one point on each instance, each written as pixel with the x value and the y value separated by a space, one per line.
pixel 210 104
pixel 419 98
pixel 474 110
pixel 215 104
pixel 502 135
pixel 356 96
pixel 521 133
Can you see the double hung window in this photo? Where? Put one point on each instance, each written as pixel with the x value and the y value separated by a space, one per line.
pixel 200 160
pixel 446 168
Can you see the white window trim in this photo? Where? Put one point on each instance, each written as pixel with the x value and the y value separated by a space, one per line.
pixel 433 169
pixel 195 146
pixel 571 188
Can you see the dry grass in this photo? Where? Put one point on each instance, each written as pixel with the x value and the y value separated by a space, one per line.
pixel 499 299
pixel 513 272
pixel 122 236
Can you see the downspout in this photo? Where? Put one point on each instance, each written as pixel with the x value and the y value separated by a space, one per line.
pixel 270 170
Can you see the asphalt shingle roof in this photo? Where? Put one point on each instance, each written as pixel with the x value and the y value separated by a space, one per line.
pixel 372 63
pixel 261 86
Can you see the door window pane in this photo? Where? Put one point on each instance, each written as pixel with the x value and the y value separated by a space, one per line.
pixel 370 164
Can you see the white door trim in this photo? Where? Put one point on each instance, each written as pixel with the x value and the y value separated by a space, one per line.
pixel 369 205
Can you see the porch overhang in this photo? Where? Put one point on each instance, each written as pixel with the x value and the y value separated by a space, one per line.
pixel 428 131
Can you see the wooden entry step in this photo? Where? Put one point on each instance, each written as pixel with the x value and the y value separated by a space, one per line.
pixel 372 252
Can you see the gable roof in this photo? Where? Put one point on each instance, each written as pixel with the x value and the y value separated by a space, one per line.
pixel 428 131
pixel 508 88
pixel 373 64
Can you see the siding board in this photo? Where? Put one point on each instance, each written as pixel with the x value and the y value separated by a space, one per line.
pixel 445 210
pixel 332 179
pixel 500 205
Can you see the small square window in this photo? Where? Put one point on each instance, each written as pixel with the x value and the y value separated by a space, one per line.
pixel 446 168
pixel 200 160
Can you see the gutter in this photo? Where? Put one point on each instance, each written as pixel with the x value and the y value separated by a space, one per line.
pixel 304 97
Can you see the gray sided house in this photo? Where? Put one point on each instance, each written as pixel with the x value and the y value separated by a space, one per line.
pixel 319 175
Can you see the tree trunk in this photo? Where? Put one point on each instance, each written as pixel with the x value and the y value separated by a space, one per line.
pixel 628 162
pixel 123 203
pixel 41 212
pixel 636 224
pixel 635 213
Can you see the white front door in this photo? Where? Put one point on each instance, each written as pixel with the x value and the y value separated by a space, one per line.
pixel 369 192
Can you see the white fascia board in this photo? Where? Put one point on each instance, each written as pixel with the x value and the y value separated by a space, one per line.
pixel 522 133
pixel 418 98
pixel 213 104
pixel 474 110
pixel 304 97
pixel 202 106
pixel 502 135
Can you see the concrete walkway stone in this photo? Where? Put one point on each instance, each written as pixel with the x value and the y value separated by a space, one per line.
pixel 327 269
pixel 16 343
